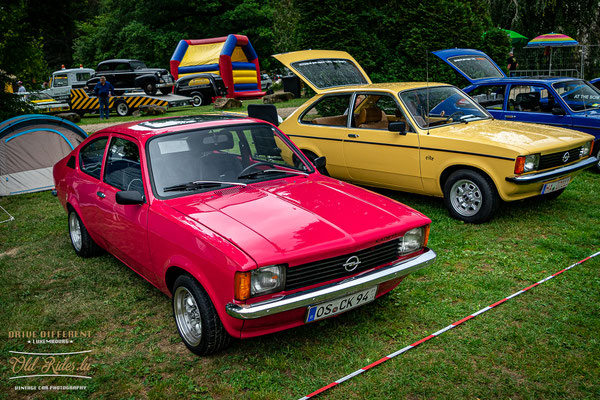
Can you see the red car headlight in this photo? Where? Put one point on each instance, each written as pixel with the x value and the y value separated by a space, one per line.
pixel 259 281
pixel 414 240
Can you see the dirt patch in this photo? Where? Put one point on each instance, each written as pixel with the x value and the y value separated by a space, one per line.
pixel 96 127
pixel 11 252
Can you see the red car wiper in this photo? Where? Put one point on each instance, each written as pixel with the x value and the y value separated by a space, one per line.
pixel 199 185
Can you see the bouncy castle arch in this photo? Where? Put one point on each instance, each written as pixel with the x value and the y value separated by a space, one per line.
pixel 232 57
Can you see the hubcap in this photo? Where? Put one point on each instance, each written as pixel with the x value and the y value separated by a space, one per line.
pixel 466 197
pixel 122 109
pixel 75 231
pixel 187 316
pixel 197 101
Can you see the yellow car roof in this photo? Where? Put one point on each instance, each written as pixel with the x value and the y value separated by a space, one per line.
pixel 390 86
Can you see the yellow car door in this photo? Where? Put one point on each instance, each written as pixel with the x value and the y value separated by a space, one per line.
pixel 374 154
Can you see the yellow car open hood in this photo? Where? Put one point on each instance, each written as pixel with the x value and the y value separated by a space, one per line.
pixel 324 69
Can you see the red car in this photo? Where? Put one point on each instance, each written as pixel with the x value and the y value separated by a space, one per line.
pixel 226 216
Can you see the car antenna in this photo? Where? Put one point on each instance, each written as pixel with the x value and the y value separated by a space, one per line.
pixel 427 86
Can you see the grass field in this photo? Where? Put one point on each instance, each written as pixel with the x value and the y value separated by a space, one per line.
pixel 543 344
pixel 187 110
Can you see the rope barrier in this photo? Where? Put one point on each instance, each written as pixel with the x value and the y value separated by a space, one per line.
pixel 441 331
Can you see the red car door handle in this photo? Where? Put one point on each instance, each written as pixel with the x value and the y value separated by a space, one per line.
pixel 101 195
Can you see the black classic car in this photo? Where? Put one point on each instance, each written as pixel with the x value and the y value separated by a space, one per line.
pixel 202 88
pixel 127 75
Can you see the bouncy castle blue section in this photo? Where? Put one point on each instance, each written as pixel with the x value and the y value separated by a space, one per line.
pixel 232 57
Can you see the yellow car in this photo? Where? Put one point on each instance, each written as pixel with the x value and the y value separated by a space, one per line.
pixel 427 138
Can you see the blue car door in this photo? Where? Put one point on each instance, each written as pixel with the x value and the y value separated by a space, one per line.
pixel 535 103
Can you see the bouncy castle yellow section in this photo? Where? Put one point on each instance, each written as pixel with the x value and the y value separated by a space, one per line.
pixel 232 57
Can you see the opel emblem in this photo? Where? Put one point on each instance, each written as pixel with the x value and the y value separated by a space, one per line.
pixel 566 157
pixel 351 263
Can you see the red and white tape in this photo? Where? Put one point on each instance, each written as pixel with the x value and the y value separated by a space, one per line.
pixel 438 333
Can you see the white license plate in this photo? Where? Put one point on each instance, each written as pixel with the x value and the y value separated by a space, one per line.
pixel 556 185
pixel 340 305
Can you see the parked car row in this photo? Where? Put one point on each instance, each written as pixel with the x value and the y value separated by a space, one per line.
pixel 426 138
pixel 249 235
pixel 127 75
pixel 563 102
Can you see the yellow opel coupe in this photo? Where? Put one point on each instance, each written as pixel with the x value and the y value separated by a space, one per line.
pixel 426 138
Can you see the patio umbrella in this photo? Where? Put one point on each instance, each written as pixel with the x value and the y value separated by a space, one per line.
pixel 551 40
pixel 516 39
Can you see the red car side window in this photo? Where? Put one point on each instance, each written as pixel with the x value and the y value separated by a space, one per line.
pixel 90 157
pixel 123 169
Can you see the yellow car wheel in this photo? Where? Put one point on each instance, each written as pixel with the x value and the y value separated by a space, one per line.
pixel 470 196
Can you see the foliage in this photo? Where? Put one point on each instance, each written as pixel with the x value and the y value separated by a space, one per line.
pixel 21 50
pixel 151 30
pixel 578 19
pixel 396 46
pixel 56 22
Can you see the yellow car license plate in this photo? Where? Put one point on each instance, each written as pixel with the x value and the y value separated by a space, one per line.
pixel 340 305
pixel 556 185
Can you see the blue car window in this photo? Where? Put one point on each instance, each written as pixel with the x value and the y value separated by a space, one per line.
pixel 490 97
pixel 531 98
pixel 579 95
pixel 476 67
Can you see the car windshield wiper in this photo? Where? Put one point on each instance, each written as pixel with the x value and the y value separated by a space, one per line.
pixel 194 185
pixel 270 171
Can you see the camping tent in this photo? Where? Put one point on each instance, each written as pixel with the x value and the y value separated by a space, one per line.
pixel 232 57
pixel 30 145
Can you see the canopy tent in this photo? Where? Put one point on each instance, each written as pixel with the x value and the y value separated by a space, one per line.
pixel 232 57
pixel 516 39
pixel 30 145
pixel 551 40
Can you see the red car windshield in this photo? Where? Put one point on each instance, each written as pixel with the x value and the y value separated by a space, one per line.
pixel 210 159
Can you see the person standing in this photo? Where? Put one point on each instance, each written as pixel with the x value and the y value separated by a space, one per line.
pixel 103 90
pixel 21 88
pixel 512 63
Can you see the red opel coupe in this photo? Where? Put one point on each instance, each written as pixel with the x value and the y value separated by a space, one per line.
pixel 226 216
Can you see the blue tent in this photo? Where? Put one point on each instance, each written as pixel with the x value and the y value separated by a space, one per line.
pixel 30 145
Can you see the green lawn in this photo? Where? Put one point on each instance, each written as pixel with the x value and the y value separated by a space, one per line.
pixel 541 345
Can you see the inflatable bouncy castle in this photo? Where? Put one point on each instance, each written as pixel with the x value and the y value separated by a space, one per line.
pixel 231 56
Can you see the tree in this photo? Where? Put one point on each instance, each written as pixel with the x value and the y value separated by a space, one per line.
pixel 150 30
pixel 21 51
pixel 393 40
pixel 578 19
pixel 21 58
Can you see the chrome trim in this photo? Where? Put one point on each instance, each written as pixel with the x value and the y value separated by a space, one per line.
pixel 332 291
pixel 542 176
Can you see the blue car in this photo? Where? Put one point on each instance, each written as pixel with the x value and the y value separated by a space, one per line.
pixel 559 101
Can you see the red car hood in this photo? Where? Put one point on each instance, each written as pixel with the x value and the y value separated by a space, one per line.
pixel 299 219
